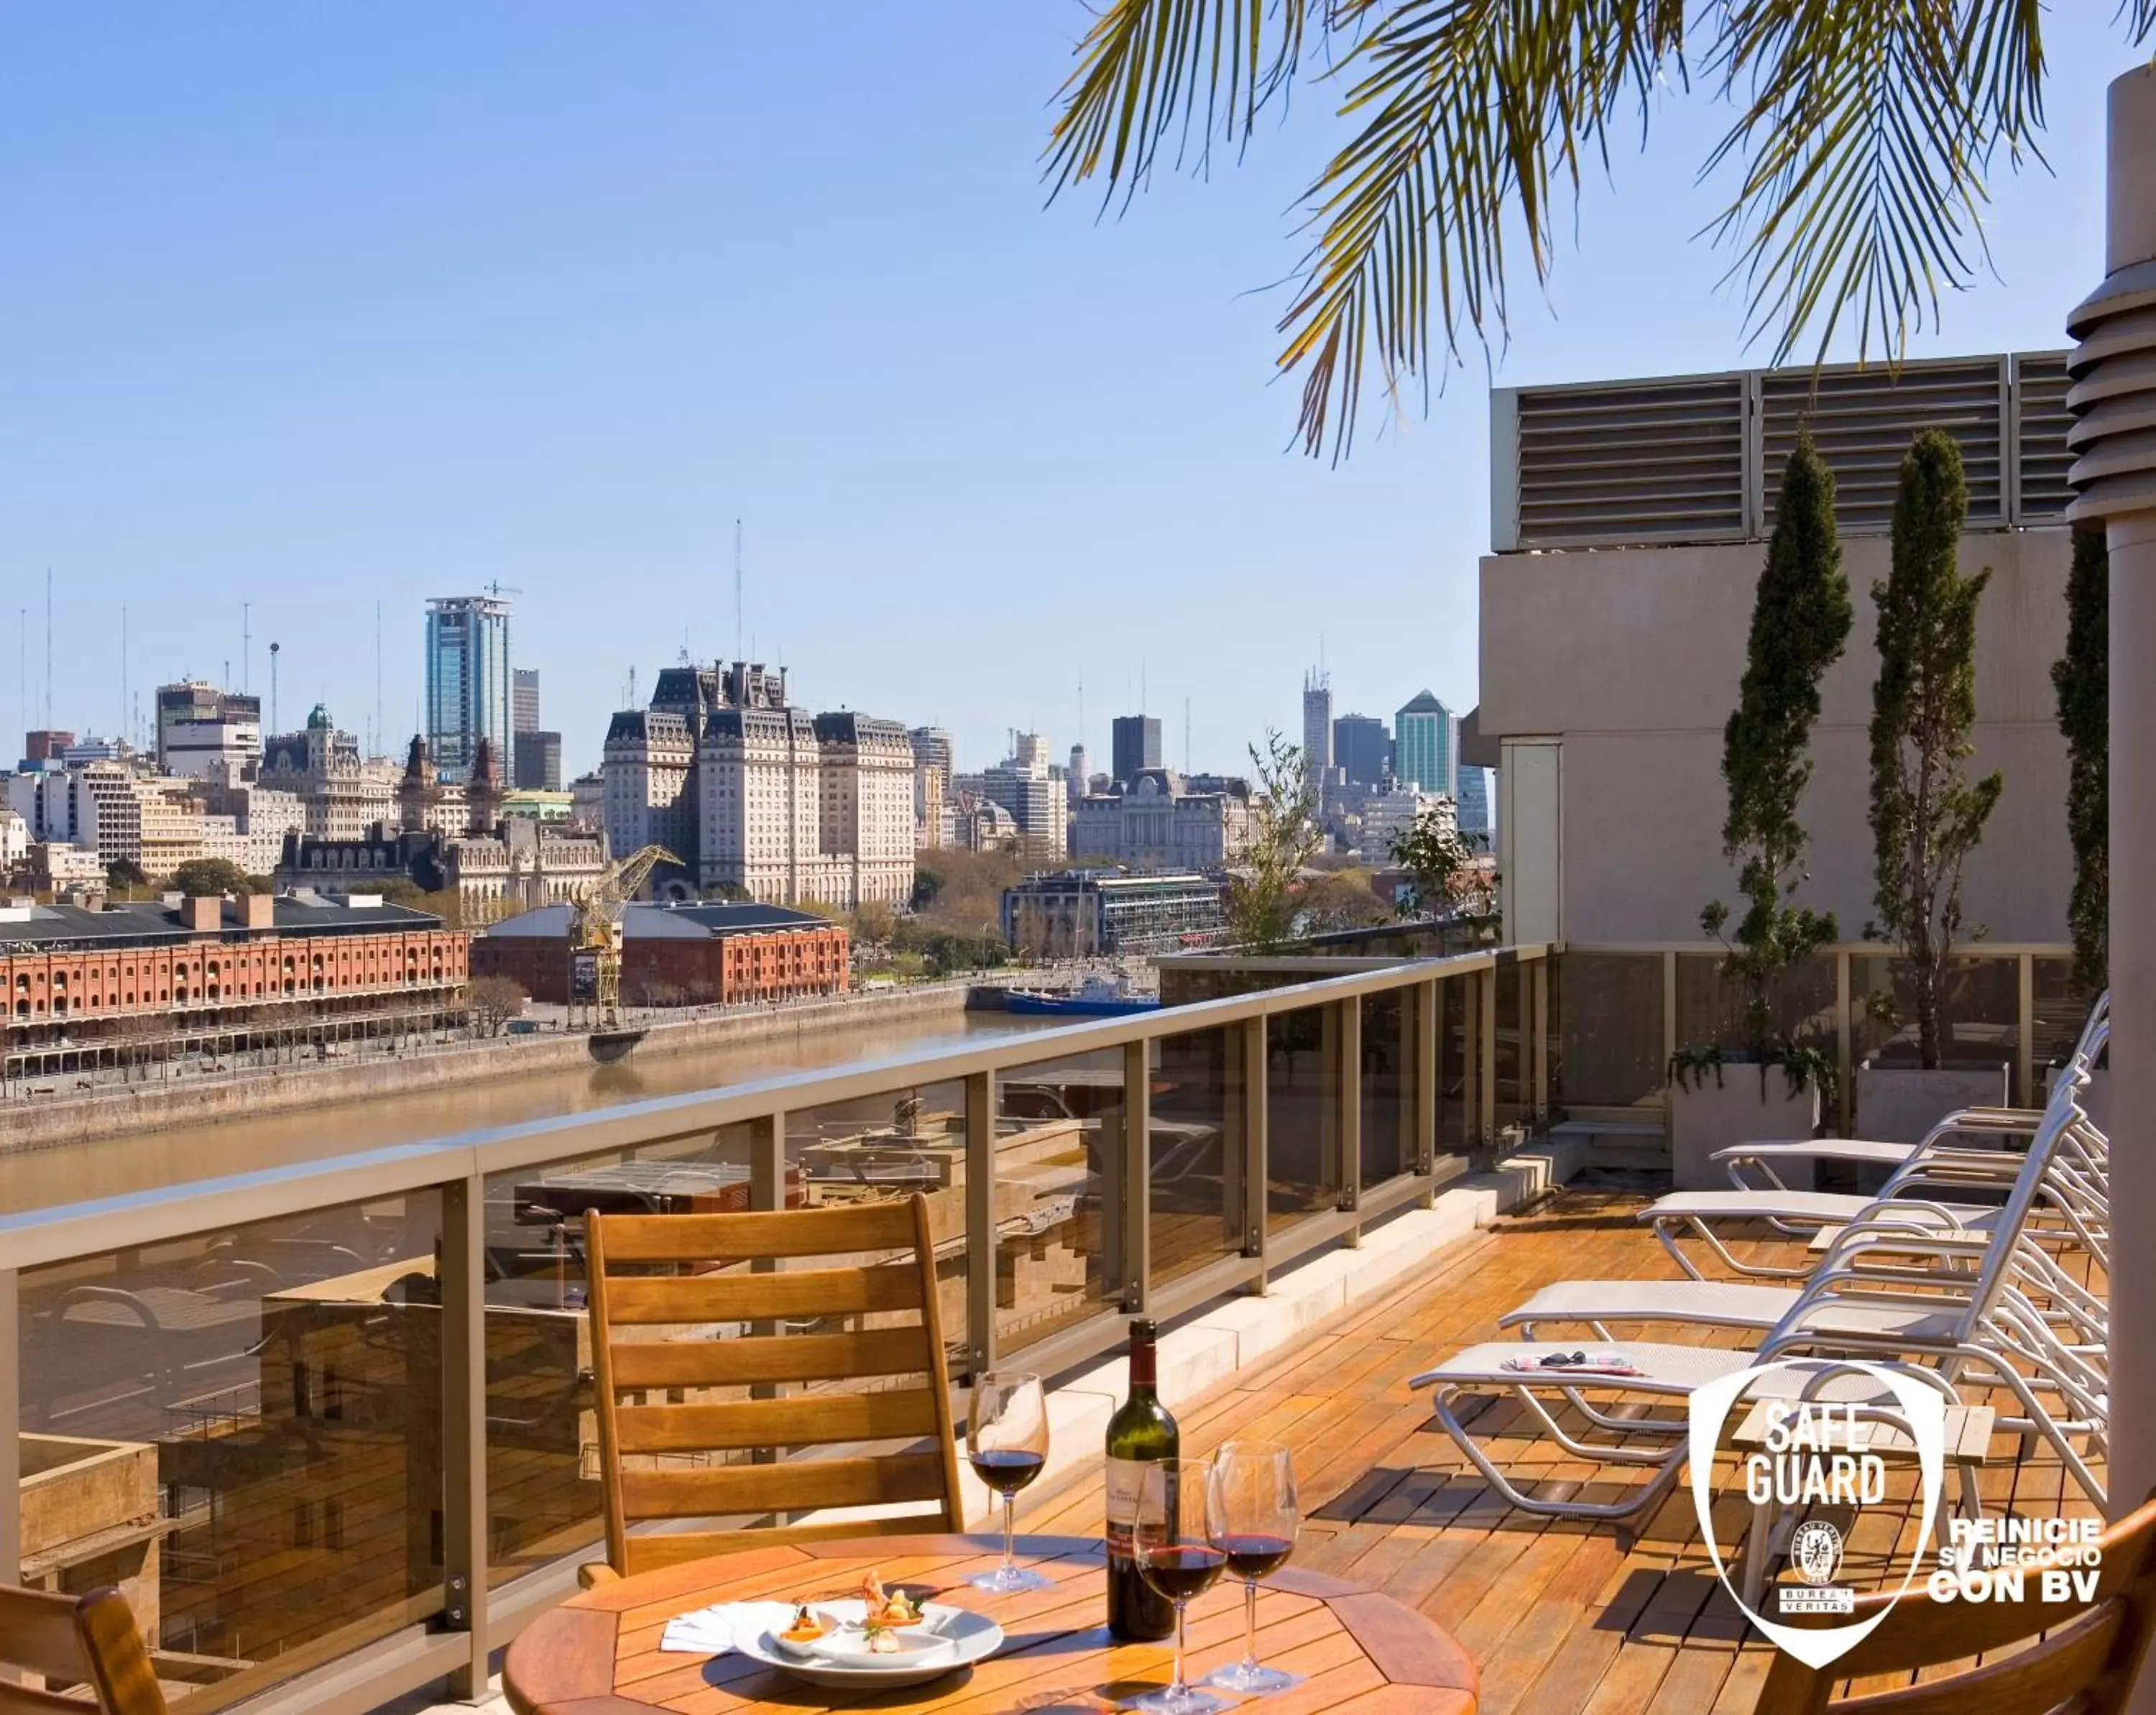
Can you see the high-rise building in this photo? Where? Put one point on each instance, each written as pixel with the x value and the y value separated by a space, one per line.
pixel 469 683
pixel 755 795
pixel 205 733
pixel 1134 747
pixel 1318 757
pixel 1037 801
pixel 524 699
pixel 535 764
pixel 1074 780
pixel 1362 749
pixel 1426 746
pixel 1473 802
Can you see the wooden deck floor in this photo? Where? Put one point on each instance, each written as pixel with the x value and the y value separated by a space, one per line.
pixel 1560 1616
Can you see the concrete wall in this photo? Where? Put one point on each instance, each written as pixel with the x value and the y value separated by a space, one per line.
pixel 1632 658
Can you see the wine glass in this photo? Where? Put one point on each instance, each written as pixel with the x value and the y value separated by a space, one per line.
pixel 1007 1444
pixel 1178 1558
pixel 1251 1515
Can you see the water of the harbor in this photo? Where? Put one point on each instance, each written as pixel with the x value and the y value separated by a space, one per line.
pixel 113 1167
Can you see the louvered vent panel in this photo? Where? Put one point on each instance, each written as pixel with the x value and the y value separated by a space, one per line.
pixel 1863 421
pixel 1654 461
pixel 2041 386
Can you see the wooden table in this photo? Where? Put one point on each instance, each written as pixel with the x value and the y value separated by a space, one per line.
pixel 1363 1652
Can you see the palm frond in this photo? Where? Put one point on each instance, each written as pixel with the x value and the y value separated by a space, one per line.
pixel 1866 132
pixel 1150 70
pixel 1472 107
pixel 2139 18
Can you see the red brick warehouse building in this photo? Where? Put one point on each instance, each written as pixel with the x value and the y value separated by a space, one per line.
pixel 678 955
pixel 84 984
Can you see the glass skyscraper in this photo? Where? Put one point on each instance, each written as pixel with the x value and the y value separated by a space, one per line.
pixel 1426 746
pixel 470 687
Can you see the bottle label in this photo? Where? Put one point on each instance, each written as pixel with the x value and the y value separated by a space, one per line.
pixel 1126 1481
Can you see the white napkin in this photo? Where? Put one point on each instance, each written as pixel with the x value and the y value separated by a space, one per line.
pixel 702 1633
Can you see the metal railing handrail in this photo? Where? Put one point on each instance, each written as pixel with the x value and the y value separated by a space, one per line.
pixel 63 1232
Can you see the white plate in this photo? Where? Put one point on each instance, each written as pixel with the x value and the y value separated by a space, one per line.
pixel 970 1638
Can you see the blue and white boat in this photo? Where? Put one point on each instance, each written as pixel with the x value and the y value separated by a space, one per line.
pixel 1097 998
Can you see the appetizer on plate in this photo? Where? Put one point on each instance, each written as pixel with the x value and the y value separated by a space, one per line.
pixel 805 1627
pixel 887 1608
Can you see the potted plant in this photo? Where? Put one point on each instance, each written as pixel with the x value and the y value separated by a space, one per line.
pixel 1800 623
pixel 1926 814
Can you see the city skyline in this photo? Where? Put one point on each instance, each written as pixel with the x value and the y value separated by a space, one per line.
pixel 558 398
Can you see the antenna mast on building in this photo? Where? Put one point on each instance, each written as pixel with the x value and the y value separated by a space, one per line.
pixel 23 666
pixel 48 648
pixel 738 633
pixel 246 645
pixel 126 730
pixel 1186 735
pixel 381 738
pixel 273 687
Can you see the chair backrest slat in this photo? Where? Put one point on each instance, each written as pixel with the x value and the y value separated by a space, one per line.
pixel 2087 1658
pixel 89 1642
pixel 678 1418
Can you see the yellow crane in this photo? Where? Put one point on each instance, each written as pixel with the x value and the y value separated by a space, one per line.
pixel 595 935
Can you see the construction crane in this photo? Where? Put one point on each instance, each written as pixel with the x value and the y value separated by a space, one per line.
pixel 595 935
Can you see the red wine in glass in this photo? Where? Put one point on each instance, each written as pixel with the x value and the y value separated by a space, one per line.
pixel 1251 1515
pixel 1186 1570
pixel 1252 1554
pixel 1007 1470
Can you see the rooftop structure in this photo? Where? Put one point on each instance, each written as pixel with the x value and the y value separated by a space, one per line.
pixel 1097 914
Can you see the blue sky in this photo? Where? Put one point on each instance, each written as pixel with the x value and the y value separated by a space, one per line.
pixel 315 307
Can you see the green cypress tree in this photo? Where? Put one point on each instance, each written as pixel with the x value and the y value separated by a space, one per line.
pixel 1800 623
pixel 2082 678
pixel 1927 815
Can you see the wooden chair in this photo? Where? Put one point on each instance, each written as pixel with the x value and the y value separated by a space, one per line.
pixel 89 1642
pixel 666 1454
pixel 2084 1664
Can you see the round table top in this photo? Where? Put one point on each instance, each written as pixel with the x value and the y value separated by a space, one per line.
pixel 1361 1652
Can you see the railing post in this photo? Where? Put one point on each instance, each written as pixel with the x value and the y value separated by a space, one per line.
pixel 11 1432
pixel 767 1191
pixel 1843 1046
pixel 981 1221
pixel 1540 1014
pixel 1138 1175
pixel 1428 1017
pixel 2025 1028
pixel 1470 1055
pixel 465 1509
pixel 1670 1044
pixel 1485 1077
pixel 1257 1151
pixel 1347 1066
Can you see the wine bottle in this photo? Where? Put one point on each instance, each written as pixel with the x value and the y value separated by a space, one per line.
pixel 1141 1432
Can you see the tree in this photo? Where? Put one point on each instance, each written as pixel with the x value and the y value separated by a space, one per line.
pixel 1284 837
pixel 1436 858
pixel 495 1001
pixel 123 876
pixel 2082 679
pixel 1340 899
pixel 1801 618
pixel 1864 138
pixel 1927 816
pixel 875 921
pixel 207 876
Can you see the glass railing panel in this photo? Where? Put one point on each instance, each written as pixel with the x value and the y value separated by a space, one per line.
pixel 1386 1081
pixel 2061 1009
pixel 888 1145
pixel 1513 1096
pixel 1302 1116
pixel 1196 1151
pixel 244 1432
pixel 1980 1008
pixel 1606 1019
pixel 1059 1224
pixel 542 1463
pixel 1456 1053
pixel 1711 1007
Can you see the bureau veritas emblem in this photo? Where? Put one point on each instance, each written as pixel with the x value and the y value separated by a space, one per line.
pixel 1813 1448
